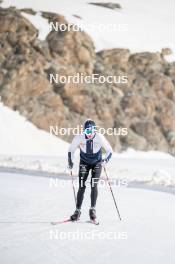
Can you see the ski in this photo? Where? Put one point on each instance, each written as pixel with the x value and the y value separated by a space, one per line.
pixel 61 222
pixel 94 222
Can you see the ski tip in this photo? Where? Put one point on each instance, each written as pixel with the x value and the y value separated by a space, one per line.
pixel 95 222
pixel 53 223
pixel 61 222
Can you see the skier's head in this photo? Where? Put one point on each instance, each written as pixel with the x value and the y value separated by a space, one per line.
pixel 89 128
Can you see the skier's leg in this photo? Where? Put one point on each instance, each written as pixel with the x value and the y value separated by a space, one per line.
pixel 83 175
pixel 96 172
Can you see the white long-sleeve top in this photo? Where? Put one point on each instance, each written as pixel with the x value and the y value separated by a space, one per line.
pixel 91 149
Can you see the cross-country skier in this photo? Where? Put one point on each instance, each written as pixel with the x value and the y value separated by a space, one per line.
pixel 91 144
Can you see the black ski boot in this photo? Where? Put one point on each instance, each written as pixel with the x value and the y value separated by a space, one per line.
pixel 92 214
pixel 76 215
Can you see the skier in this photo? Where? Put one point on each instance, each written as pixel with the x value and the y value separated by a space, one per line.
pixel 91 144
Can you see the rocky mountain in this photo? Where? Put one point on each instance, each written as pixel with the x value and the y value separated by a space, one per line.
pixel 145 104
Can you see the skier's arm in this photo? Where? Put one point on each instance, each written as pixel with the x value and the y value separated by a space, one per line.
pixel 73 146
pixel 107 147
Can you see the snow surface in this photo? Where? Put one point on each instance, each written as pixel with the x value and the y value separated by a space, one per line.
pixel 141 25
pixel 40 23
pixel 28 205
pixel 23 146
pixel 20 137
pixel 151 170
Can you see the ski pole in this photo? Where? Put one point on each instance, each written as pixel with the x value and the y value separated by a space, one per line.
pixel 112 193
pixel 73 187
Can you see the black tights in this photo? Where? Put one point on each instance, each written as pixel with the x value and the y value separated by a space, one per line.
pixel 83 175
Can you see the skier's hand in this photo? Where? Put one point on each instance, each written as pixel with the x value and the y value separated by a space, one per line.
pixel 70 165
pixel 104 162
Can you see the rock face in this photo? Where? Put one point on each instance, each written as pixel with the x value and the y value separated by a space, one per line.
pixel 145 104
pixel 107 5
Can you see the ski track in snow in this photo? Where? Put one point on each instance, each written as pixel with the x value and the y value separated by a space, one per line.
pixel 148 223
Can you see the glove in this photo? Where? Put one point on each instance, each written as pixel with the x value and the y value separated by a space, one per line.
pixel 104 162
pixel 70 163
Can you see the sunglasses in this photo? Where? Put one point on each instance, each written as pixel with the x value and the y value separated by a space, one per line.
pixel 90 130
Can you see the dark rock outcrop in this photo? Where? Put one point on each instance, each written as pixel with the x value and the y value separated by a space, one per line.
pixel 109 5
